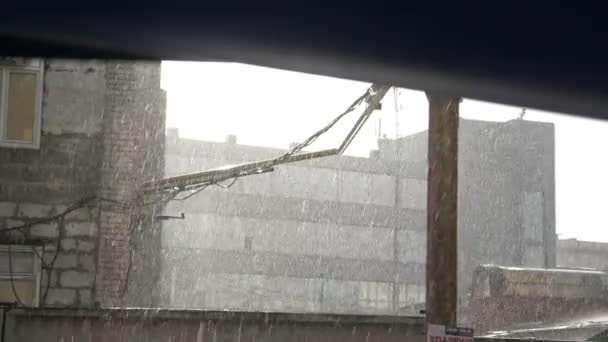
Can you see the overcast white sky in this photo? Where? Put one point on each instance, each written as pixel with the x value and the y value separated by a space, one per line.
pixel 270 107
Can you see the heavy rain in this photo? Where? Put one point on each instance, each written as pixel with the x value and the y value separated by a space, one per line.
pixel 205 201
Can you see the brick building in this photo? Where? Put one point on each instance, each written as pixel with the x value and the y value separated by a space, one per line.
pixel 77 135
pixel 347 234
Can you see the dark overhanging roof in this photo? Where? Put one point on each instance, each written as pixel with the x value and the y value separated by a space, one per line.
pixel 547 58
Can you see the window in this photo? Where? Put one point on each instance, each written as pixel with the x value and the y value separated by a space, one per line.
pixel 25 267
pixel 20 102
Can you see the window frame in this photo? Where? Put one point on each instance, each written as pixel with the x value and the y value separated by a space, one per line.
pixel 36 275
pixel 5 71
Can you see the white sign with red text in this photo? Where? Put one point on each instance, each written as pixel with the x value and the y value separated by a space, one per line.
pixel 441 333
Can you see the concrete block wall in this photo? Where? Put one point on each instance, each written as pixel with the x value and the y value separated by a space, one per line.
pixel 102 126
pixel 36 184
pixel 69 249
pixel 133 152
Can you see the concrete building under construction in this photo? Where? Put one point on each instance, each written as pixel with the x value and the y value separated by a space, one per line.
pixel 347 234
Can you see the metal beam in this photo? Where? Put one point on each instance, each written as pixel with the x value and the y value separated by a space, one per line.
pixel 442 196
pixel 372 104
pixel 218 175
pixel 373 97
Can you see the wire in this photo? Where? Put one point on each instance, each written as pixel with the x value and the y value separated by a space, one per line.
pixel 74 207
pixel 137 201
pixel 171 197
pixel 192 194
pixel 51 266
pixel 79 204
pixel 323 130
pixel 132 246
pixel 48 267
pixel 268 165
pixel 227 186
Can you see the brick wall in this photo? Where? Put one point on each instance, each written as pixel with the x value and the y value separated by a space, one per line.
pixel 133 149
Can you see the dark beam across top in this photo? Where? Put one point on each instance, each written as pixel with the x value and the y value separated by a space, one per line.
pixel 551 58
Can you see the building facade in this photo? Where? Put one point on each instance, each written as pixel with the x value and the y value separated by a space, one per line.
pixel 572 253
pixel 318 236
pixel 347 234
pixel 506 192
pixel 77 138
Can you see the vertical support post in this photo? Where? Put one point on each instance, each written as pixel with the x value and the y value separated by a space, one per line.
pixel 442 197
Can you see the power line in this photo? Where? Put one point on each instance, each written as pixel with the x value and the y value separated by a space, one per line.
pixel 81 203
pixel 48 267
pixel 327 127
pixel 372 96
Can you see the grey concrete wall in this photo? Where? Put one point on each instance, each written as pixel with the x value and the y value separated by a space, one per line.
pixel 250 280
pixel 210 231
pixel 347 212
pixel 324 228
pixel 190 263
pixel 155 325
pixel 226 202
pixel 582 254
